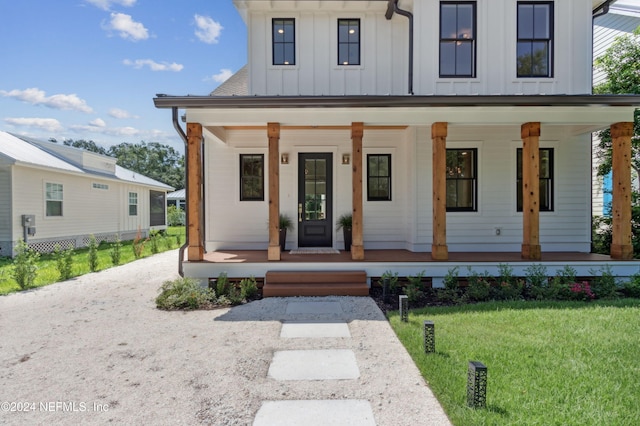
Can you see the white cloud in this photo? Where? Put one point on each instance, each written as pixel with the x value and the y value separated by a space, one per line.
pixel 127 27
pixel 48 124
pixel 208 30
pixel 104 130
pixel 106 4
pixel 153 65
pixel 121 113
pixel 98 122
pixel 222 76
pixel 36 96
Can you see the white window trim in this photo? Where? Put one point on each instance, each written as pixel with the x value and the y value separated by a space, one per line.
pixel 46 199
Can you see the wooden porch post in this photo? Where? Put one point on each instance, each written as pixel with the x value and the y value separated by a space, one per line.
pixel 621 247
pixel 357 242
pixel 195 250
pixel 273 131
pixel 439 249
pixel 530 134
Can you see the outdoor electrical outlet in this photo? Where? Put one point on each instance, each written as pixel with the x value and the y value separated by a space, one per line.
pixel 498 231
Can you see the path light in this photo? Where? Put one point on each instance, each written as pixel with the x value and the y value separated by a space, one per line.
pixel 404 308
pixel 477 385
pixel 429 337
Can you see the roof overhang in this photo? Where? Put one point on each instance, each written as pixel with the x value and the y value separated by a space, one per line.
pixel 584 112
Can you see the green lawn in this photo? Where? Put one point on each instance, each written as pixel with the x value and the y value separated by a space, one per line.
pixel 48 273
pixel 549 363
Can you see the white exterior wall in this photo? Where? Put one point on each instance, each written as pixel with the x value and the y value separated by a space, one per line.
pixel 406 221
pixel 86 210
pixel 384 50
pixel 5 210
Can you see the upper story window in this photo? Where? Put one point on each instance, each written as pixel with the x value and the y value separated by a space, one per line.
pixel 462 180
pixel 546 179
pixel 284 41
pixel 251 177
pixel 379 177
pixel 457 39
pixel 535 39
pixel 53 199
pixel 348 42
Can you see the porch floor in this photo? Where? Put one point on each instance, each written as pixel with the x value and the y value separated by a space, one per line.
pixel 398 256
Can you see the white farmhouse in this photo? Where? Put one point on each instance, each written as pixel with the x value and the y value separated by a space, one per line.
pixel 454 132
pixel 54 194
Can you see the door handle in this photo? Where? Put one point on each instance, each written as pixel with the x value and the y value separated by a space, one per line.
pixel 299 212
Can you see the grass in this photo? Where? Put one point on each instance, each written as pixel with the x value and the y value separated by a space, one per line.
pixel 549 363
pixel 48 273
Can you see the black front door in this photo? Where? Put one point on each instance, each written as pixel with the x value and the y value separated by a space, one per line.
pixel 315 221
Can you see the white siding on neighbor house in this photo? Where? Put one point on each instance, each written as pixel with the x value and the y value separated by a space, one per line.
pixel 5 207
pixel 384 51
pixel 86 210
pixel 406 221
pixel 605 30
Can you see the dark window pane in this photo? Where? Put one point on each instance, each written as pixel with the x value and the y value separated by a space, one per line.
pixel 464 54
pixel 54 208
pixel 251 177
pixel 379 177
pixel 447 58
pixel 465 21
pixel 539 59
pixel 525 21
pixel 545 170
pixel 461 179
pixel 448 21
pixel 157 205
pixel 541 21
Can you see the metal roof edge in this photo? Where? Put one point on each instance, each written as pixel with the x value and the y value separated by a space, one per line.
pixel 392 101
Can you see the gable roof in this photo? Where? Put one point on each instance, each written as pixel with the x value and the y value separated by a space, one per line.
pixel 37 153
pixel 236 85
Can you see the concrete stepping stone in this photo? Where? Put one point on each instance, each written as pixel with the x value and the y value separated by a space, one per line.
pixel 315 413
pixel 325 364
pixel 314 308
pixel 314 329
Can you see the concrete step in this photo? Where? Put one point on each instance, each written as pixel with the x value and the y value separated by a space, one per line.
pixel 315 283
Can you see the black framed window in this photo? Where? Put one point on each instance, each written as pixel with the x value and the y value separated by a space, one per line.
pixel 379 177
pixel 462 180
pixel 157 208
pixel 545 158
pixel 251 177
pixel 457 39
pixel 348 42
pixel 284 41
pixel 535 39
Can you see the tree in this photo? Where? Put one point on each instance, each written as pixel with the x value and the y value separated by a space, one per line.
pixel 154 160
pixel 621 66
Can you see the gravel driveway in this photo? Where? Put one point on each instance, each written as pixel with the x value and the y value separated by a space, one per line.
pixel 95 350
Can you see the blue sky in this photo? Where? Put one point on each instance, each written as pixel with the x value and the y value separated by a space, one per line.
pixel 89 69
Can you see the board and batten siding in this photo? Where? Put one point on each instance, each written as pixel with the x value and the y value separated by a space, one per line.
pixel 385 56
pixel 5 210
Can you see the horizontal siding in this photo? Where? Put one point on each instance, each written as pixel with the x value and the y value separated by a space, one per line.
pixel 5 203
pixel 605 30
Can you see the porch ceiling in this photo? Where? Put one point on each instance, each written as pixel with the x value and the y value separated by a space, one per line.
pixel 576 114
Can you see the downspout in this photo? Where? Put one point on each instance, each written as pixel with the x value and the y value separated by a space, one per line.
pixel 176 125
pixel 392 6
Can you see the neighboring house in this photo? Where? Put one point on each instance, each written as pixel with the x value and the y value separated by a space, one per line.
pixel 622 19
pixel 54 194
pixel 176 198
pixel 424 119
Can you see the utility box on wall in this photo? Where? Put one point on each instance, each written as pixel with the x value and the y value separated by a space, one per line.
pixel 28 220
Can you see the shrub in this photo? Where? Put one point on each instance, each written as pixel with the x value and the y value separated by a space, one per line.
pixel 508 286
pixel 413 290
pixel 138 244
pixel 222 285
pixel 479 287
pixel 179 239
pixel 175 216
pixel 166 242
pixel 451 291
pixel 561 285
pixel 581 291
pixel 24 265
pixel 93 253
pixel 537 281
pixel 393 280
pixel 184 293
pixel 154 236
pixel 116 251
pixel 631 288
pixel 249 288
pixel 604 284
pixel 64 261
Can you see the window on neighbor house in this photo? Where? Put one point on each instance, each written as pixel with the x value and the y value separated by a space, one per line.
pixel 251 177
pixel 157 208
pixel 462 180
pixel 348 42
pixel 133 204
pixel 535 39
pixel 284 41
pixel 546 179
pixel 53 199
pixel 457 39
pixel 379 177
